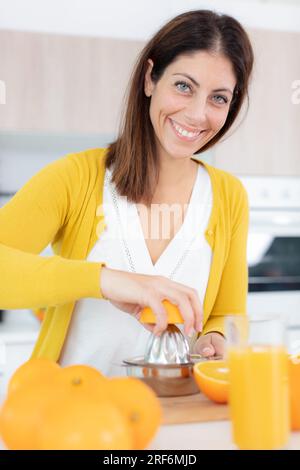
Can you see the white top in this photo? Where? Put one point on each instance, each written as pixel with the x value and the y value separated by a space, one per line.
pixel 102 335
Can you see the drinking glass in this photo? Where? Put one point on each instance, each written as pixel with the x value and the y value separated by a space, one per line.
pixel 258 375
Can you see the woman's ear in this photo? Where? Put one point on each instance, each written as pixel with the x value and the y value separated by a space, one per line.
pixel 148 85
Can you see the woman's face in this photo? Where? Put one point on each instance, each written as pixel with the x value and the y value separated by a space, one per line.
pixel 190 102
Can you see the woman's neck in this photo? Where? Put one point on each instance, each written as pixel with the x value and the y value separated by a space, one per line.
pixel 176 178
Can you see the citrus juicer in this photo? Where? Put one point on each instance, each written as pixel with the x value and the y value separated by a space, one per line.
pixel 167 365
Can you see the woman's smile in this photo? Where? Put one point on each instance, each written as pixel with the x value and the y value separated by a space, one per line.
pixel 183 133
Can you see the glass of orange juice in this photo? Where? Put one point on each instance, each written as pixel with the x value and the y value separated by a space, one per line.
pixel 293 344
pixel 258 376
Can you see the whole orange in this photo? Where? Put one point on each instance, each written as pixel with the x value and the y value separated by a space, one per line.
pixel 139 404
pixel 33 372
pixel 81 423
pixel 21 416
pixel 173 312
pixel 81 379
pixel 294 377
pixel 212 379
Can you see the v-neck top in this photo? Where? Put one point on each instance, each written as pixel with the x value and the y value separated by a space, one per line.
pixel 100 334
pixel 62 205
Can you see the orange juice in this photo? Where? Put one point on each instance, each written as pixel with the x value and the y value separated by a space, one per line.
pixel 258 396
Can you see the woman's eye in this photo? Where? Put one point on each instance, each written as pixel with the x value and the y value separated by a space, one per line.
pixel 182 86
pixel 220 99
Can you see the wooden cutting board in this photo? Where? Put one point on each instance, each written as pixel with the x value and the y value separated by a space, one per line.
pixel 192 409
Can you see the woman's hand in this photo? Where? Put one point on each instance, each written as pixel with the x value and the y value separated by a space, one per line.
pixel 209 345
pixel 132 292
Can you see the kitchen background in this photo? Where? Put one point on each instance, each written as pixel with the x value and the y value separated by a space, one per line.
pixel 64 67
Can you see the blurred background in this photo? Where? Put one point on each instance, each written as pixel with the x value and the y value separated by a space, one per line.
pixel 64 68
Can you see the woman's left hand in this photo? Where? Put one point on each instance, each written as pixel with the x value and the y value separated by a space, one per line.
pixel 209 345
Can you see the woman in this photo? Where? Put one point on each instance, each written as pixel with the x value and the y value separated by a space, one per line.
pixel 186 91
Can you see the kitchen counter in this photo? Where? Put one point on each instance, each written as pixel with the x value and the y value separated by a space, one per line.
pixel 213 435
pixel 200 436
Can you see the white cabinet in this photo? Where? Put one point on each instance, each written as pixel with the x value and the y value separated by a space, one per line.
pixel 268 140
pixel 15 349
pixel 71 84
pixel 58 83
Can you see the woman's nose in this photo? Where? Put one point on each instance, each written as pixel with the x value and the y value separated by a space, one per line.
pixel 196 112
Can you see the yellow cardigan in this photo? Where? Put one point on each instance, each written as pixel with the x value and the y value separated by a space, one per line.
pixel 61 205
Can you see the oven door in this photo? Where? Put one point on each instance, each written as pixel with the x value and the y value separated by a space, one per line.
pixel 273 254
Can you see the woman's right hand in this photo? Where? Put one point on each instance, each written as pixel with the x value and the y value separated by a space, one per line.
pixel 132 292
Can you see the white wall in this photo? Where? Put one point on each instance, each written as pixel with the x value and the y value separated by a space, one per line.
pixel 137 19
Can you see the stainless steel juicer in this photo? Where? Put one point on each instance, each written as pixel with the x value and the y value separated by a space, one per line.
pixel 167 365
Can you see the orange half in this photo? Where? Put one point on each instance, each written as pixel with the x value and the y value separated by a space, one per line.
pixel 174 315
pixel 212 378
pixel 294 358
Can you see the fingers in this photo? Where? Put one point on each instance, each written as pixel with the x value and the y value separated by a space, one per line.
pixel 148 326
pixel 184 305
pixel 136 312
pixel 186 310
pixel 219 344
pixel 198 311
pixel 161 316
pixel 186 299
pixel 211 344
pixel 194 301
pixel 204 346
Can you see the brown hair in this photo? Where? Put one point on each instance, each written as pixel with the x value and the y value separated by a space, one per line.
pixel 133 155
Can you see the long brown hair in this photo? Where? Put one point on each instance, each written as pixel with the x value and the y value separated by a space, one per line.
pixel 133 156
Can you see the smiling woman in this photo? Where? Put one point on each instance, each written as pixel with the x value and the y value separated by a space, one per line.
pixel 192 76
pixel 196 111
pixel 186 90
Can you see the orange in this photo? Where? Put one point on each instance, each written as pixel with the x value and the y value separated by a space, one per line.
pixel 174 315
pixel 81 379
pixel 21 415
pixel 84 424
pixel 212 378
pixel 294 377
pixel 32 388
pixel 140 405
pixel 33 372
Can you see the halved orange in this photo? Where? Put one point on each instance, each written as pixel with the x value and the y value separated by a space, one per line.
pixel 294 358
pixel 174 315
pixel 212 378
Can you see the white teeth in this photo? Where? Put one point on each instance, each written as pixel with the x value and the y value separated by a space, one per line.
pixel 184 132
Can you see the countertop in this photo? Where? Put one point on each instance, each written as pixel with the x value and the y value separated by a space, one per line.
pixel 200 436
pixel 214 435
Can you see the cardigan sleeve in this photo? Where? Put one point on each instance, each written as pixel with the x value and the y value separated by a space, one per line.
pixel 28 223
pixel 232 294
pixel 33 281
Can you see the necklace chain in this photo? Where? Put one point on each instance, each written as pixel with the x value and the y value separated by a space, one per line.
pixel 126 248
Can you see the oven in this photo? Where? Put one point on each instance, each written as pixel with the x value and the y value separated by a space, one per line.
pixel 273 249
pixel 4 198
